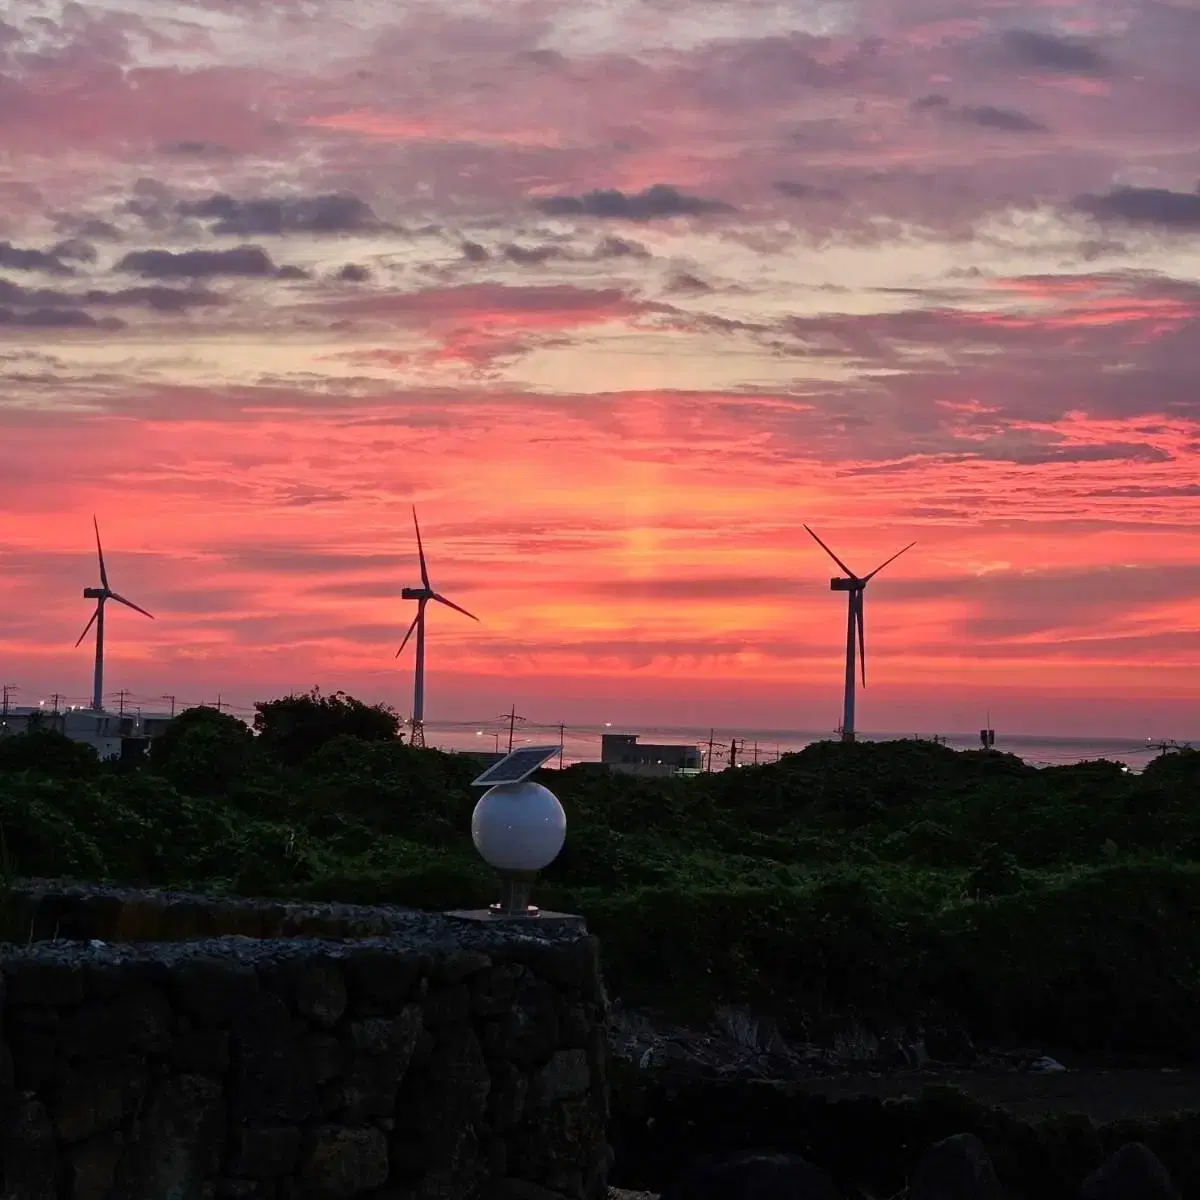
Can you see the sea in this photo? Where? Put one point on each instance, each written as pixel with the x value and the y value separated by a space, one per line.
pixel 582 743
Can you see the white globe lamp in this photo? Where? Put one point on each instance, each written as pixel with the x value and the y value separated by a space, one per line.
pixel 518 829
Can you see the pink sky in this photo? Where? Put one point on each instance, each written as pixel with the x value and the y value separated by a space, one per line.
pixel 619 293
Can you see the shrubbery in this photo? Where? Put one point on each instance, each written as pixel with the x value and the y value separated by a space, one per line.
pixel 880 881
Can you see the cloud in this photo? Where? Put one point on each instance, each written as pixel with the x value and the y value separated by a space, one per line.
pixel 333 212
pixel 1145 206
pixel 474 252
pixel 805 191
pixel 243 261
pixel 53 318
pixel 19 259
pixel 153 296
pixel 660 200
pixel 353 273
pixel 1052 53
pixel 196 149
pixel 987 116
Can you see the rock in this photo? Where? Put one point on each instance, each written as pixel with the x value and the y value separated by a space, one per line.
pixel 754 1177
pixel 201 1052
pixel 956 1168
pixel 1134 1172
pixel 138 1020
pixel 98 1096
pixel 453 1096
pixel 268 1076
pixel 506 1101
pixel 492 991
pixel 324 1055
pixel 27 1150
pixel 214 991
pixel 950 1044
pixel 93 1165
pixel 565 1076
pixel 321 994
pixel 458 965
pixel 342 1162
pixel 43 983
pixel 447 1006
pixel 381 981
pixel 179 1146
pixel 263 1151
pixel 527 1032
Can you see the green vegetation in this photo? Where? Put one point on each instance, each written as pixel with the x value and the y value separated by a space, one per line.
pixel 880 881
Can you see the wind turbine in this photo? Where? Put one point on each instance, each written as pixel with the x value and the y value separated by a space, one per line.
pixel 854 586
pixel 422 596
pixel 102 594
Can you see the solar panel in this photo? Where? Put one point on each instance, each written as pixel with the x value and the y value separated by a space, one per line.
pixel 515 767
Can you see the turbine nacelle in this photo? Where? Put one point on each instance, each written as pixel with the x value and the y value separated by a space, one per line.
pixel 416 594
pixel 846 585
pixel 95 593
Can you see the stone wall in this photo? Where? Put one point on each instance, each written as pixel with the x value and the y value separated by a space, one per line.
pixel 446 1059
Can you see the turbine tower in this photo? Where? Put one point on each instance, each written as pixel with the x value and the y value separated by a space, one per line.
pixel 854 586
pixel 102 594
pixel 422 596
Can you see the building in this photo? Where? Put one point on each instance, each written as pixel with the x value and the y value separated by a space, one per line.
pixel 111 735
pixel 623 752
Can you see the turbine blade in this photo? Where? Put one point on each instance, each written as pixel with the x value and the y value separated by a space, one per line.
pixel 831 554
pixel 890 560
pixel 416 621
pixel 88 626
pixel 456 607
pixel 862 640
pixel 130 604
pixel 420 549
pixel 100 553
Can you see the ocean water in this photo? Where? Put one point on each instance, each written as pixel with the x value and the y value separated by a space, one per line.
pixel 582 743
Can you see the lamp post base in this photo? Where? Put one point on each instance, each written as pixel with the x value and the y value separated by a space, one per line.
pixel 516 892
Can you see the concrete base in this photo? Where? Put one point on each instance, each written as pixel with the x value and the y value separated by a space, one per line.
pixel 488 917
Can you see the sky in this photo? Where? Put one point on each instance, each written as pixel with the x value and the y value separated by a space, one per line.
pixel 619 294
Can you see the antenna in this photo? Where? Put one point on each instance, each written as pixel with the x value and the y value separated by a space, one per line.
pixel 102 595
pixel 422 595
pixel 854 586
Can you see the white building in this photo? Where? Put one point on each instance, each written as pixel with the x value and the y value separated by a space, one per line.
pixel 109 734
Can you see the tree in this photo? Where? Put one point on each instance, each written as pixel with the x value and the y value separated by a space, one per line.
pixel 49 752
pixel 203 751
pixel 294 727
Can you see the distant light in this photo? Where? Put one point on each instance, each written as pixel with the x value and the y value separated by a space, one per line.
pixel 479 733
pixel 607 724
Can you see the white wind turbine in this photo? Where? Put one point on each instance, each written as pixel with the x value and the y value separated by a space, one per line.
pixel 422 596
pixel 854 586
pixel 101 595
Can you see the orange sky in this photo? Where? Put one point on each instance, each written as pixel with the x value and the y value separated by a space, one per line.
pixel 619 296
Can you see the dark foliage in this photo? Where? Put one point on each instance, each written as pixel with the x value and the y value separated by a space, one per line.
pixel 879 882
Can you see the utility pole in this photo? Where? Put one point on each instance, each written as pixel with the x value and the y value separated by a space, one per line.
pixel 172 700
pixel 733 748
pixel 8 690
pixel 57 697
pixel 562 742
pixel 218 705
pixel 711 736
pixel 121 696
pixel 756 754
pixel 512 719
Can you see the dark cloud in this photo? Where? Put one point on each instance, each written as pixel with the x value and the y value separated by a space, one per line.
pixel 74 250
pixel 657 201
pixel 152 296
pixel 334 212
pixel 687 284
pixel 474 252
pixel 246 261
pixel 290 272
pixel 19 259
pixel 1052 53
pixel 1145 206
pixel 805 191
pixel 354 273
pixel 54 318
pixel 532 256
pixel 615 247
pixel 197 149
pixel 987 116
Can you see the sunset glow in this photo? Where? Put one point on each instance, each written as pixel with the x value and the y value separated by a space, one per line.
pixel 619 295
